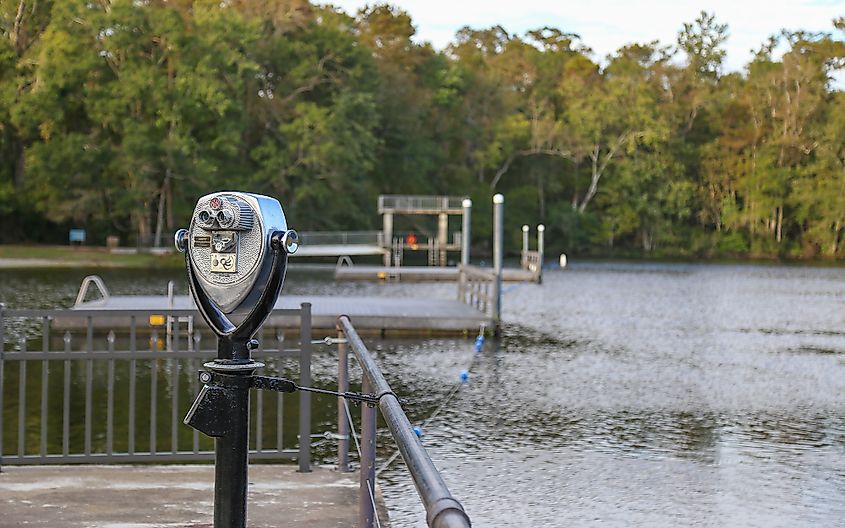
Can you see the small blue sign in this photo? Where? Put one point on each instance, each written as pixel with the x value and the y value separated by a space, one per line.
pixel 77 235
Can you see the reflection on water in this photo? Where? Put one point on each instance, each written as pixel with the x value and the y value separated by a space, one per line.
pixel 620 395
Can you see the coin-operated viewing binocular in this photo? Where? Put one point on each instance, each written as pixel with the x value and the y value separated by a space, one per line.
pixel 236 255
pixel 236 251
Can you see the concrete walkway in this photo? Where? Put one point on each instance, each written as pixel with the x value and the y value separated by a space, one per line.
pixel 171 496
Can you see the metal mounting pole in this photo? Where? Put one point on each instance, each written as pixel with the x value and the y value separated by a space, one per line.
pixel 524 260
pixel 342 386
pixel 465 230
pixel 231 449
pixel 366 512
pixel 541 230
pixel 498 249
pixel 387 230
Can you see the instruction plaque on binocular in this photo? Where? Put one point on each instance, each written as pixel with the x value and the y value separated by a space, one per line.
pixel 224 251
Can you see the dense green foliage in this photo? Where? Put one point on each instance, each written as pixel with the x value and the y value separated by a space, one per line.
pixel 115 115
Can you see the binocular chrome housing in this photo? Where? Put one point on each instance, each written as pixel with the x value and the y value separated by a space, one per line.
pixel 229 246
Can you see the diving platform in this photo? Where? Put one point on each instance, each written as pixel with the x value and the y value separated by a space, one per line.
pixel 341 244
pixel 339 250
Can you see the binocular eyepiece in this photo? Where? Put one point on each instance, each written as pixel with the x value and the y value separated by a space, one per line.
pixel 225 212
pixel 232 246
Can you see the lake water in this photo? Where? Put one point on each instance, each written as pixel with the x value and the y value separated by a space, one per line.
pixel 620 395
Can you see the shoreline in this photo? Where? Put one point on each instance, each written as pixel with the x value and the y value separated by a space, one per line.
pixel 20 257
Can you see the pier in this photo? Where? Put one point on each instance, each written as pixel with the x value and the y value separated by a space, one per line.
pixel 173 495
pixel 142 389
pixel 129 365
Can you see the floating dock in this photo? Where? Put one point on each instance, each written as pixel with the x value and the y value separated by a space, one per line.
pixel 422 273
pixel 371 315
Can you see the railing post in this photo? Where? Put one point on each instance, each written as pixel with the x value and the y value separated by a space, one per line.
pixel 387 227
pixel 366 512
pixel 442 237
pixel 498 249
pixel 342 386
pixel 305 381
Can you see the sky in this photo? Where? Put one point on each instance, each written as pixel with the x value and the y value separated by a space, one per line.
pixel 606 25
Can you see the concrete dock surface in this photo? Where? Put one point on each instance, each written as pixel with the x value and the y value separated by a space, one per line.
pixel 172 496
pixel 371 314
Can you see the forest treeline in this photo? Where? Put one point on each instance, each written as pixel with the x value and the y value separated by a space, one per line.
pixel 116 115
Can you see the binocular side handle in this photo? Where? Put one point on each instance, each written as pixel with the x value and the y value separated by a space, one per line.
pixel 267 301
pixel 280 241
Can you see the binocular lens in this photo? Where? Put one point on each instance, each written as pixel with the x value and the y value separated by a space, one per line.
pixel 225 218
pixel 204 217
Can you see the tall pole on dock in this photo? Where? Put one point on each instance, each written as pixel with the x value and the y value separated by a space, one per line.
pixel 541 230
pixel 524 259
pixel 465 234
pixel 387 234
pixel 498 253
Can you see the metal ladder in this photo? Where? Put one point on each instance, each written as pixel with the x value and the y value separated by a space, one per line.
pixel 174 323
pixel 393 271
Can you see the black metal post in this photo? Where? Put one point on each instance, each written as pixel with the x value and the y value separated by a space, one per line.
pixel 232 450
pixel 305 397
pixel 367 488
pixel 342 419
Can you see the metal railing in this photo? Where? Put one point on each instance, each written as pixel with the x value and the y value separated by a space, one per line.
pixel 419 204
pixel 530 260
pixel 442 509
pixel 342 238
pixel 120 396
pixel 477 288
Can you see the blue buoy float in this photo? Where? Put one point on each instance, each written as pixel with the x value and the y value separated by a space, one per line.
pixel 418 431
pixel 464 375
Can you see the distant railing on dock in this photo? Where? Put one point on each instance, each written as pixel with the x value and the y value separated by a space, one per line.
pixel 392 203
pixel 530 261
pixel 477 288
pixel 334 238
pixel 118 396
pixel 442 509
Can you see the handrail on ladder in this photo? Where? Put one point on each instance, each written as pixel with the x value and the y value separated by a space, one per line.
pixel 97 281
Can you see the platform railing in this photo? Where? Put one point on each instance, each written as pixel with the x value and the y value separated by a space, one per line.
pixel 442 509
pixel 418 203
pixel 98 391
pixel 342 238
pixel 530 260
pixel 477 288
